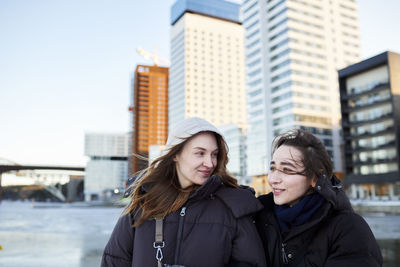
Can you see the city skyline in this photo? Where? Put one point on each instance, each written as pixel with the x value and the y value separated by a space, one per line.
pixel 67 68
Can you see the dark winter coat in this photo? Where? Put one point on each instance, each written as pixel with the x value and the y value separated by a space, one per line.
pixel 217 229
pixel 334 236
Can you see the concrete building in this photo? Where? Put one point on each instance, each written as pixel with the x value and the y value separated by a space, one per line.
pixel 293 50
pixel 149 113
pixel 370 101
pixel 107 169
pixel 207 63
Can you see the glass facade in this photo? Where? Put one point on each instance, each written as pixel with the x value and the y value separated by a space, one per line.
pixel 292 71
pixel 176 93
pixel 215 8
pixel 370 121
pixel 235 139
pixel 256 135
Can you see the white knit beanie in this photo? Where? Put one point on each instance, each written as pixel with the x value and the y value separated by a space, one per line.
pixel 187 128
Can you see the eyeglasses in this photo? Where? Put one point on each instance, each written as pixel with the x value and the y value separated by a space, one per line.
pixel 286 171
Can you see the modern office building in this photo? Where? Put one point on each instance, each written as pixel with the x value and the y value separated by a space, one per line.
pixel 236 140
pixel 149 113
pixel 370 101
pixel 107 169
pixel 293 51
pixel 207 63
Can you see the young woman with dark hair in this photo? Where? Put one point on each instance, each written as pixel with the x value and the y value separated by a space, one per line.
pixel 307 219
pixel 203 213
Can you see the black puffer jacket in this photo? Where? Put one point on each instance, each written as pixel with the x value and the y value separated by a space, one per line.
pixel 217 229
pixel 334 236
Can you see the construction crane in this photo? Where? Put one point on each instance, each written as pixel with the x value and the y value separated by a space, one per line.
pixel 156 59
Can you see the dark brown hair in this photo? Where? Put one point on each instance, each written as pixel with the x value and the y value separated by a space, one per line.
pixel 315 159
pixel 157 192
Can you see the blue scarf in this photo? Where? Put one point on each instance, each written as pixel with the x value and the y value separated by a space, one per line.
pixel 299 213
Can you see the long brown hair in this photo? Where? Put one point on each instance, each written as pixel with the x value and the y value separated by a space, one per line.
pixel 158 192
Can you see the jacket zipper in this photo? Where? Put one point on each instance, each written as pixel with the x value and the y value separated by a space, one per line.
pixel 179 234
pixel 285 259
pixel 284 256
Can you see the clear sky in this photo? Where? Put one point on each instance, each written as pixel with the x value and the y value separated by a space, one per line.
pixel 66 68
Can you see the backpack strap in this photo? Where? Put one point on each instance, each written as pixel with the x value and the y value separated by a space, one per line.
pixel 158 241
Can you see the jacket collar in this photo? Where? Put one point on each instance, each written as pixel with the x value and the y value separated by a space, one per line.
pixel 332 191
pixel 207 189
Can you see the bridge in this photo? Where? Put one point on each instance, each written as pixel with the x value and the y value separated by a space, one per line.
pixel 7 166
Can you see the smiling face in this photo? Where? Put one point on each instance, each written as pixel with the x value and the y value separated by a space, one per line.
pixel 197 160
pixel 285 178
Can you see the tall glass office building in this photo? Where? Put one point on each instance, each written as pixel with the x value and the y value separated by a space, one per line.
pixel 206 76
pixel 293 50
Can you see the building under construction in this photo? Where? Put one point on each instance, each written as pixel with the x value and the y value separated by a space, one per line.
pixel 150 113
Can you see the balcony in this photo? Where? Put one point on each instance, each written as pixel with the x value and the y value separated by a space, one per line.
pixel 356 149
pixel 375 89
pixel 368 121
pixel 371 161
pixel 370 134
pixel 366 106
pixel 388 177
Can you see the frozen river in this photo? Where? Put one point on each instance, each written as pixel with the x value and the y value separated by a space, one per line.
pixel 72 236
pixel 60 236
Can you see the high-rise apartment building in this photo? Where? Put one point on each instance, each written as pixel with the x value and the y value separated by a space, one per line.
pixel 370 101
pixel 293 50
pixel 207 62
pixel 149 113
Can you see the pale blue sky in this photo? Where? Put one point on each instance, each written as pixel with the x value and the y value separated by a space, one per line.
pixel 66 68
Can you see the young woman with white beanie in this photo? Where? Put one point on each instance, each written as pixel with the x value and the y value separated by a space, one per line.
pixel 186 209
